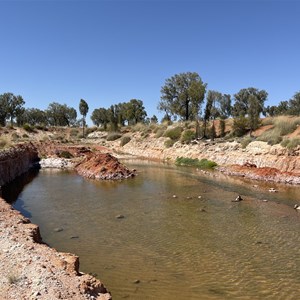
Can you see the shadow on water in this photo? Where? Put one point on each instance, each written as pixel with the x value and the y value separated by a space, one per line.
pixel 11 191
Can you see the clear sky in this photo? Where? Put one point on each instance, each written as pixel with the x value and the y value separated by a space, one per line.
pixel 108 52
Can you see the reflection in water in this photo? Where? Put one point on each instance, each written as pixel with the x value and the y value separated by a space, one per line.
pixel 197 245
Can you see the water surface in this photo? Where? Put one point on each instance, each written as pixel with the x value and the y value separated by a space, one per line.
pixel 197 245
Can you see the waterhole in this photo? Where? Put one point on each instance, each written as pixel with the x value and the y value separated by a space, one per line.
pixel 170 233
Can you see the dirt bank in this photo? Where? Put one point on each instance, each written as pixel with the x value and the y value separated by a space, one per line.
pixel 228 155
pixel 32 270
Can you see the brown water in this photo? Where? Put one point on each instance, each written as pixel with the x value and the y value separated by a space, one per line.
pixel 199 245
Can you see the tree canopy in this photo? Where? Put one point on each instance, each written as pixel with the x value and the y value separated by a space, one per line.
pixel 182 95
pixel 11 106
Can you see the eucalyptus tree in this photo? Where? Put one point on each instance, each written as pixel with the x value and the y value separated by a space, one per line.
pixel 11 106
pixel 135 111
pixel 182 95
pixel 83 109
pixel 100 117
pixel 32 116
pixel 249 103
pixel 61 114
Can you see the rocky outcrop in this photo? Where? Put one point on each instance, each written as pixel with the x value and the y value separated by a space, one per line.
pixel 16 161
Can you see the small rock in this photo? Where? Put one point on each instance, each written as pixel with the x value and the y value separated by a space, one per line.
pixel 237 199
pixel 265 200
pixel 137 281
pixel 199 197
pixel 174 196
pixel 74 237
pixel 59 229
pixel 120 217
pixel 272 190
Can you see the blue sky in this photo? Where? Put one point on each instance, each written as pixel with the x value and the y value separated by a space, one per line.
pixel 108 52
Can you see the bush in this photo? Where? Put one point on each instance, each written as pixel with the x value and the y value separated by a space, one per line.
pixel 169 143
pixel 3 143
pixel 113 136
pixel 285 125
pixel 291 143
pixel 41 127
pixel 159 133
pixel 65 154
pixel 240 126
pixel 124 140
pixel 246 141
pixel 28 128
pixel 174 133
pixel 89 130
pixel 195 162
pixel 187 136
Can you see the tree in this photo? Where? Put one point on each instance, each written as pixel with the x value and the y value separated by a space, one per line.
pixel 241 105
pixel 11 106
pixel 249 104
pixel 32 116
pixel 100 117
pixel 61 115
pixel 182 95
pixel 253 113
pixel 294 104
pixel 135 112
pixel 83 109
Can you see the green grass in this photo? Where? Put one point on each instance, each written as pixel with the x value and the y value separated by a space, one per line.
pixel 195 162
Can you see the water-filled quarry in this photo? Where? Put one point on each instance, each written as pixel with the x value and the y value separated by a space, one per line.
pixel 181 236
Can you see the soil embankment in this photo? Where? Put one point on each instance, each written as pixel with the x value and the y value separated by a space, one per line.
pixel 258 160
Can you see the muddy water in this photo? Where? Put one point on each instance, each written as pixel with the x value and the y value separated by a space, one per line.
pixel 197 245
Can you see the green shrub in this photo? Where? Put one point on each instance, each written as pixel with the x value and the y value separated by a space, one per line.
pixel 187 136
pixel 160 132
pixel 285 125
pixel 28 128
pixel 291 143
pixel 195 162
pixel 267 121
pixel 41 127
pixel 169 143
pixel 25 136
pixel 272 137
pixel 65 154
pixel 124 140
pixel 240 126
pixel 139 127
pixel 246 141
pixel 174 133
pixel 89 130
pixel 113 136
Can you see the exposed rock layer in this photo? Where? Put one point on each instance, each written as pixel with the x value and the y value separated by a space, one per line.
pixel 15 161
pixel 32 270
